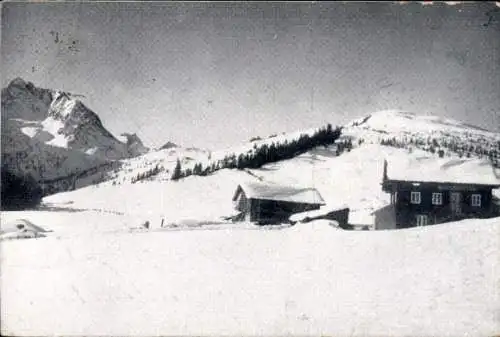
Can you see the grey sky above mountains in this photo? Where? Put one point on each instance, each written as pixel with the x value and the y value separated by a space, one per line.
pixel 212 75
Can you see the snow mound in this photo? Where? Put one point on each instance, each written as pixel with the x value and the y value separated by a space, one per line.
pixel 317 227
pixel 20 229
pixel 27 234
pixel 20 224
pixel 316 213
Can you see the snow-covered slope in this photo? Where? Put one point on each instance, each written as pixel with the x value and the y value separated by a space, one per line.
pixel 51 134
pixel 428 132
pixel 397 121
pixel 444 137
pixel 160 163
pixel 352 178
pixel 165 159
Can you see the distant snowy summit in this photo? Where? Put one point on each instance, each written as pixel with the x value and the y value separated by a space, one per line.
pixel 429 132
pixel 400 121
pixel 51 134
pixel 168 145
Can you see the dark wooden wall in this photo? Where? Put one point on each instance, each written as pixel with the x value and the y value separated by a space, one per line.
pixel 273 211
pixel 406 211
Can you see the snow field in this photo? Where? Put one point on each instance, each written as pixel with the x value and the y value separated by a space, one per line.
pixel 309 279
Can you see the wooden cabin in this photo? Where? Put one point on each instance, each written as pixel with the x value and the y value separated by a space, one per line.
pixel 432 192
pixel 273 203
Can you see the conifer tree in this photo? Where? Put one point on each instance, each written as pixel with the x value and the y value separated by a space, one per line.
pixel 177 174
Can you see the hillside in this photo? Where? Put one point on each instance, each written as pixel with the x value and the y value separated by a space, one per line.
pixel 160 165
pixel 437 136
pixel 442 136
pixel 351 177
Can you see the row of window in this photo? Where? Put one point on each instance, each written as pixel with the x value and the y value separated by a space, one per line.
pixel 437 198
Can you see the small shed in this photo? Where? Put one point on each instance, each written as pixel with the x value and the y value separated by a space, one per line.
pixel 270 203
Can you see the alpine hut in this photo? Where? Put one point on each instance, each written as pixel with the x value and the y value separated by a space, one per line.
pixel 269 203
pixel 429 191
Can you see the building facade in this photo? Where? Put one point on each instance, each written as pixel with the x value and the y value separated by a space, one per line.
pixel 420 203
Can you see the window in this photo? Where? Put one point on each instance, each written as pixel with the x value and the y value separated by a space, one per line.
pixel 437 198
pixel 476 200
pixel 415 197
pixel 422 220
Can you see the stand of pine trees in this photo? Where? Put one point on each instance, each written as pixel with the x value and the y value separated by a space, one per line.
pixel 269 153
pixel 463 147
pixel 70 182
pixel 148 174
pixel 19 191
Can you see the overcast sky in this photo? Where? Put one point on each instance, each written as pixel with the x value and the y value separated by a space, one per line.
pixel 212 74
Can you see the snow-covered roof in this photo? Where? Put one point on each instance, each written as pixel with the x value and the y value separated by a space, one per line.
pixel 458 171
pixel 297 217
pixel 271 191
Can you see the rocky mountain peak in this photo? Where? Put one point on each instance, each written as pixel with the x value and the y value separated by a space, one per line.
pixel 51 134
pixel 134 144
